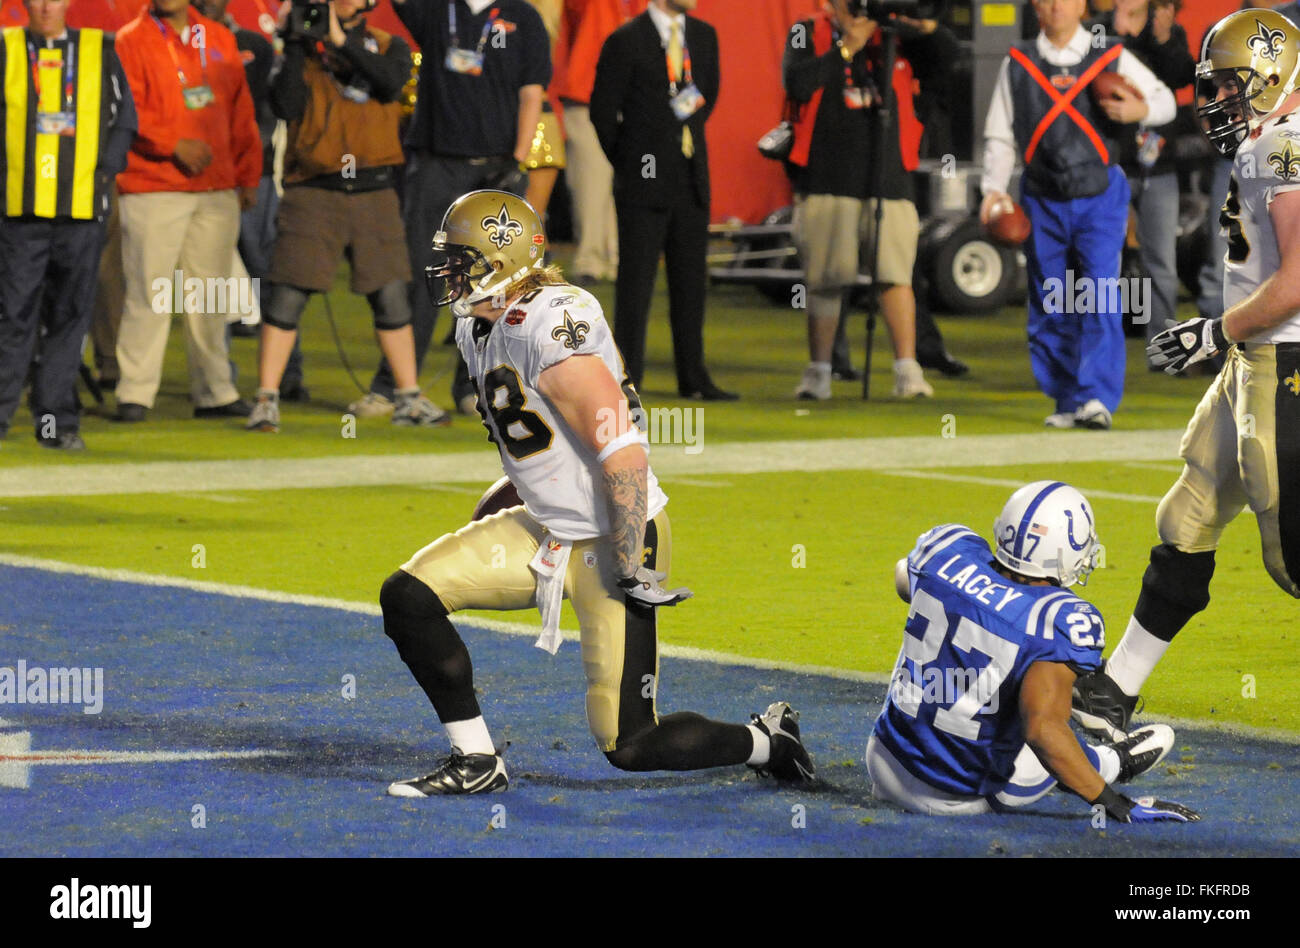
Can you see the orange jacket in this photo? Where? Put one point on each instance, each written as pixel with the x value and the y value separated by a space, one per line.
pixel 228 124
pixel 587 24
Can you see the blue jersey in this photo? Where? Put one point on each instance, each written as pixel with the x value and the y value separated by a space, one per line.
pixel 952 716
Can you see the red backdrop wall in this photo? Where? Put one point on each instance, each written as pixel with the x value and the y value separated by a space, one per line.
pixel 751 34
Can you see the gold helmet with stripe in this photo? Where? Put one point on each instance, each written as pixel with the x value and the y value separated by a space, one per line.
pixel 488 241
pixel 1250 62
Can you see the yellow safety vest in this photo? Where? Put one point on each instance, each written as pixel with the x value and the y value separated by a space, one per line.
pixel 49 174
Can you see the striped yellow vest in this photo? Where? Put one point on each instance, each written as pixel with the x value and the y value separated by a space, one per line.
pixel 52 175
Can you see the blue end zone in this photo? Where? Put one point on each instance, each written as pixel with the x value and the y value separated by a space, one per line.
pixel 189 671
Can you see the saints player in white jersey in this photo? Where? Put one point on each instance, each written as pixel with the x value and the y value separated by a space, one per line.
pixel 592 527
pixel 1242 447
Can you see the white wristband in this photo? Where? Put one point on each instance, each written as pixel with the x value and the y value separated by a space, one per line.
pixel 634 436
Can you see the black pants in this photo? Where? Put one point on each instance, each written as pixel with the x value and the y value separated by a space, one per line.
pixel 433 182
pixel 48 278
pixel 681 234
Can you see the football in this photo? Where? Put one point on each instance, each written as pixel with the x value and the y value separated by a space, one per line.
pixel 1008 223
pixel 500 496
pixel 1106 84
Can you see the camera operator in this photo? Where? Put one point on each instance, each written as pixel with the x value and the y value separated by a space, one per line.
pixel 832 70
pixel 339 89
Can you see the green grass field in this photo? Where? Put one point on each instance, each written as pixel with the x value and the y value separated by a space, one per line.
pixel 788 566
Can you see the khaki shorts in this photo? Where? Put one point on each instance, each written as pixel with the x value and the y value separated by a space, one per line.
pixel 316 227
pixel 834 237
pixel 484 565
pixel 1242 448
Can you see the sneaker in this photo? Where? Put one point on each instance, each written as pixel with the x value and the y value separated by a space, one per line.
pixel 1142 749
pixel 416 410
pixel 845 373
pixel 467 404
pixel 130 412
pixel 236 409
pixel 815 385
pixel 789 760
pixel 1093 414
pixel 265 416
pixel 1062 419
pixel 1100 707
pixel 67 441
pixel 459 773
pixel 909 381
pixel 373 405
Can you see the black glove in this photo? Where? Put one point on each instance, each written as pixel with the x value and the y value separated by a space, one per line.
pixel 1144 809
pixel 1182 344
pixel 643 586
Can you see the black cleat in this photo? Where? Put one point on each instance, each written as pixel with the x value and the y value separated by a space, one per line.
pixel 1101 708
pixel 459 773
pixel 1142 750
pixel 789 760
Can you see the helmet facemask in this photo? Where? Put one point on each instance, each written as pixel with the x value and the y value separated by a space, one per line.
pixel 1224 107
pixel 459 267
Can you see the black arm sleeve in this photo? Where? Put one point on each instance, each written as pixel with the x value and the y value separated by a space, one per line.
pixel 802 71
pixel 386 72
pixel 122 134
pixel 288 88
pixel 613 72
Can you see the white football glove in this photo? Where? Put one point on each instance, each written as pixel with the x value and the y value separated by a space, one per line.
pixel 643 586
pixel 1182 344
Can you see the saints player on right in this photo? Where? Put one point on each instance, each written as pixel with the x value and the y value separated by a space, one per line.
pixel 1242 446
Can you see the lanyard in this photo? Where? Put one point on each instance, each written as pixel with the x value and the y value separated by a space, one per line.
pixel 686 67
pixel 70 71
pixel 483 37
pixel 171 48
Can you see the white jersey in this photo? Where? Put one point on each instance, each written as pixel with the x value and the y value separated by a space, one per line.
pixel 1266 165
pixel 556 474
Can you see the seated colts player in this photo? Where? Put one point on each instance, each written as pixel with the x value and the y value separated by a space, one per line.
pixel 557 403
pixel 978 713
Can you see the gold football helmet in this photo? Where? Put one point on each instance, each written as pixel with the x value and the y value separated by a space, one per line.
pixel 1250 62
pixel 488 240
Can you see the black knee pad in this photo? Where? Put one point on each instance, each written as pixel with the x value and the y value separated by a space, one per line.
pixel 404 596
pixel 1175 586
pixel 284 310
pixel 391 308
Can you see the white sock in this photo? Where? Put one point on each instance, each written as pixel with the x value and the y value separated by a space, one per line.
pixel 900 364
pixel 822 368
pixel 1135 658
pixel 1107 762
pixel 762 747
pixel 470 737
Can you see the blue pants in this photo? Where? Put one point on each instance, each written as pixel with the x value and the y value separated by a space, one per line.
pixel 1077 356
pixel 1156 201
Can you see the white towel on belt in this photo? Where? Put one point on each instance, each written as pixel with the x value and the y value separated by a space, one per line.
pixel 550 564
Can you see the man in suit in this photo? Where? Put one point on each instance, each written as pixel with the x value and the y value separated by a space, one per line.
pixel 659 72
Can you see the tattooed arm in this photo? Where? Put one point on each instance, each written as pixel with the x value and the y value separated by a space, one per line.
pixel 587 396
pixel 593 405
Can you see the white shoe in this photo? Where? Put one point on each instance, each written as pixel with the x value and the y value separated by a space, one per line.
pixel 815 384
pixel 373 405
pixel 468 405
pixel 415 410
pixel 909 381
pixel 1093 414
pixel 1062 419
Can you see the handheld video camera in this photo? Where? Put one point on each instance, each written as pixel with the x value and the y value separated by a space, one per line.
pixel 882 10
pixel 308 20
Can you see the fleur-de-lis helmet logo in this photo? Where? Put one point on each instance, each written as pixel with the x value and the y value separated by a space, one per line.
pixel 1285 162
pixel 572 334
pixel 1266 42
pixel 502 229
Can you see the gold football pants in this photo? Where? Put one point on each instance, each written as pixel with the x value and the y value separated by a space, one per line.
pixel 1242 448
pixel 484 565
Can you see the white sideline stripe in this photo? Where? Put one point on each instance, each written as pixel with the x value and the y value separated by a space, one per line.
pixel 65 757
pixel 669 461
pixel 1276 735
pixel 1007 482
pixel 521 629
